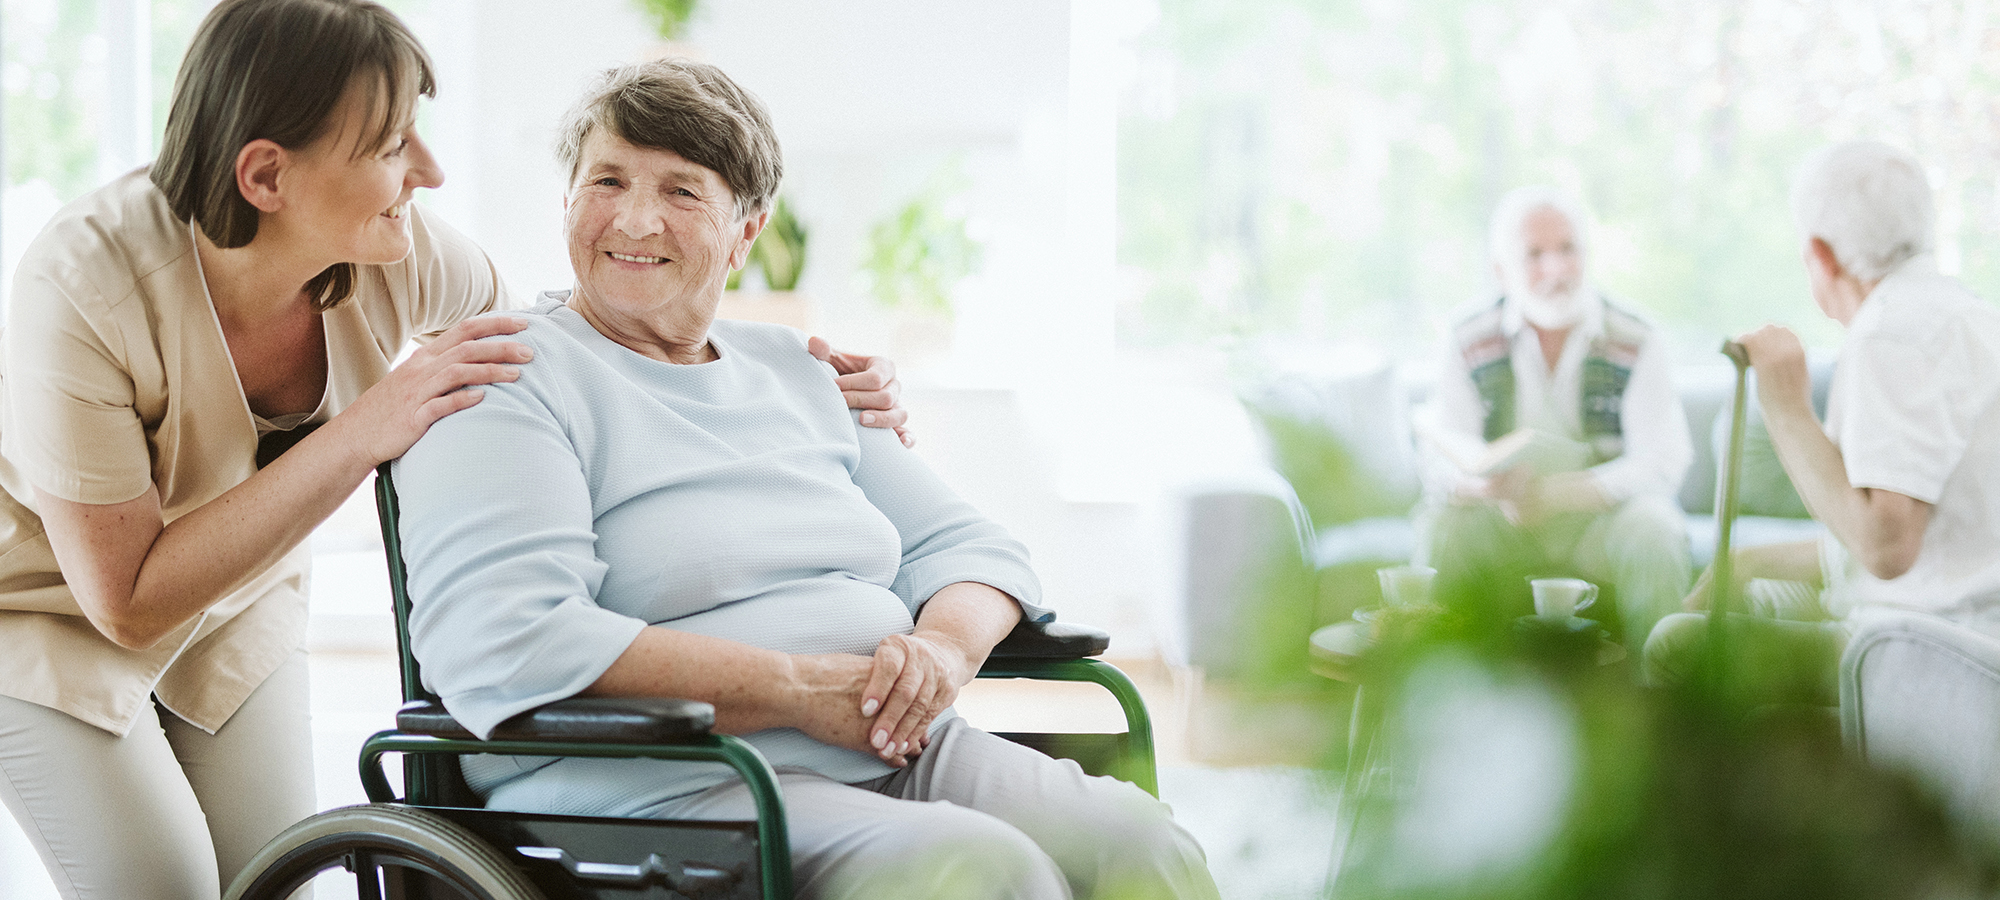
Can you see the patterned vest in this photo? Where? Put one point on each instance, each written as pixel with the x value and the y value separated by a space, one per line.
pixel 1482 342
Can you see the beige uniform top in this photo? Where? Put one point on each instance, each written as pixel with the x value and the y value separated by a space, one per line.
pixel 114 376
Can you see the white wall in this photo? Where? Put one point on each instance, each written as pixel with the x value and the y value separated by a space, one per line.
pixel 1025 414
pixel 870 99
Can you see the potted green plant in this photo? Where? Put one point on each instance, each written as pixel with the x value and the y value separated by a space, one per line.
pixel 669 17
pixel 778 259
pixel 921 251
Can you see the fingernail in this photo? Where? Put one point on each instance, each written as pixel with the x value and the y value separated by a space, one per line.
pixel 903 747
pixel 867 418
pixel 869 707
pixel 881 740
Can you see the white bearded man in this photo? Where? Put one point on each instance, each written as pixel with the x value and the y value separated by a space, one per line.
pixel 1553 357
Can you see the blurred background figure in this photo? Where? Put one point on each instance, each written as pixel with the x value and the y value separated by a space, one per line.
pixel 1559 442
pixel 1905 474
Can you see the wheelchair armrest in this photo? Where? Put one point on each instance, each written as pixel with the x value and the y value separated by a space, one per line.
pixel 607 720
pixel 1051 640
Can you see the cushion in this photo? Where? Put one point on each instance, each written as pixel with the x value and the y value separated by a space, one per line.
pixel 1341 438
pixel 1763 488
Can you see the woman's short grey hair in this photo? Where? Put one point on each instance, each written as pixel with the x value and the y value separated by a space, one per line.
pixel 1504 239
pixel 1869 202
pixel 691 109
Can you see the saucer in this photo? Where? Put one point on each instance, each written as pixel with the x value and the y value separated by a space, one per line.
pixel 1557 625
pixel 1567 635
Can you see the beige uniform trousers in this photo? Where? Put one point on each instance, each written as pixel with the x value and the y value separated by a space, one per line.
pixel 167 812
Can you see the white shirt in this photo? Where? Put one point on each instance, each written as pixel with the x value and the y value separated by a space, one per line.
pixel 1912 408
pixel 1657 448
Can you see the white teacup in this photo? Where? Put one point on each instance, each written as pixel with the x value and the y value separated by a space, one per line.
pixel 1560 598
pixel 1406 585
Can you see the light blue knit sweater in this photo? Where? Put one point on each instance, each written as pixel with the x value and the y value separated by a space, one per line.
pixel 605 491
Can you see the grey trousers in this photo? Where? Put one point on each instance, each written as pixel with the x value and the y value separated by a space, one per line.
pixel 167 812
pixel 974 817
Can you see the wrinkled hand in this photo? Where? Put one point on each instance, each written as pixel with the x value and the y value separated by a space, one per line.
pixel 914 678
pixel 386 419
pixel 1780 360
pixel 868 383
pixel 836 684
pixel 1517 492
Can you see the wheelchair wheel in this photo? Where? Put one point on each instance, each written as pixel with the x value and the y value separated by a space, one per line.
pixel 407 852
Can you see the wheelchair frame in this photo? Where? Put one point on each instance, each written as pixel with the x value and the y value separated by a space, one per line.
pixel 436 830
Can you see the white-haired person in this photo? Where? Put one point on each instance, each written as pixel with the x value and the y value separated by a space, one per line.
pixel 1905 472
pixel 1593 497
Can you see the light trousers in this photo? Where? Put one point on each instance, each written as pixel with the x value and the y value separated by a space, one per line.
pixel 1771 660
pixel 974 817
pixel 1638 549
pixel 167 812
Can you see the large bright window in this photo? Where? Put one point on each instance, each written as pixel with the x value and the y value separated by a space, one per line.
pixel 1326 169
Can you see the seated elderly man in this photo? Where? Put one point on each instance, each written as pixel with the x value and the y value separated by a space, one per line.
pixel 1905 474
pixel 1577 388
pixel 669 505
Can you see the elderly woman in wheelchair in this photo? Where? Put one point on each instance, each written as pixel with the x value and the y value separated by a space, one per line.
pixel 668 505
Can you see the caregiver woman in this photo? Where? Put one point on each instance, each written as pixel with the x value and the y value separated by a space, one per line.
pixel 261 275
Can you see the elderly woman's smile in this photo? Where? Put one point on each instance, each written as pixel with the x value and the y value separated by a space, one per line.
pixel 653 238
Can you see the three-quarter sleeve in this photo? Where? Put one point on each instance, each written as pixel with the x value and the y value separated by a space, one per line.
pixel 504 616
pixel 944 540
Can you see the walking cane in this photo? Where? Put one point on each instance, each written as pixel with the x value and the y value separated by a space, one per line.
pixel 1722 578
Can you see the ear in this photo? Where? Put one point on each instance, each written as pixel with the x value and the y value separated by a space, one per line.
pixel 1820 255
pixel 260 167
pixel 739 255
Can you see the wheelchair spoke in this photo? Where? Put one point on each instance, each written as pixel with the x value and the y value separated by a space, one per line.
pixel 367 880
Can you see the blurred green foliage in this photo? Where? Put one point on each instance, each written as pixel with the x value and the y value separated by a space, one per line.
pixel 52 56
pixel 51 135
pixel 669 17
pixel 1332 481
pixel 1326 167
pixel 922 250
pixel 781 250
pixel 1699 790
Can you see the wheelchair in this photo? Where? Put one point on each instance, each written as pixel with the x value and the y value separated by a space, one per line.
pixel 436 843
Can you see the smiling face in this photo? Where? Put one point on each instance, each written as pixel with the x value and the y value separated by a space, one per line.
pixel 652 238
pixel 353 201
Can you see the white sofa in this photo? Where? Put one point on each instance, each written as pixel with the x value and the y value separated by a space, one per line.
pixel 1267 558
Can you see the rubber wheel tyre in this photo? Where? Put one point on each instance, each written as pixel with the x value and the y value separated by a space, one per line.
pixel 381 843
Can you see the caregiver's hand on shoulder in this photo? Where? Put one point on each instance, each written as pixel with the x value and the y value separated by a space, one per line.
pixel 390 416
pixel 869 384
